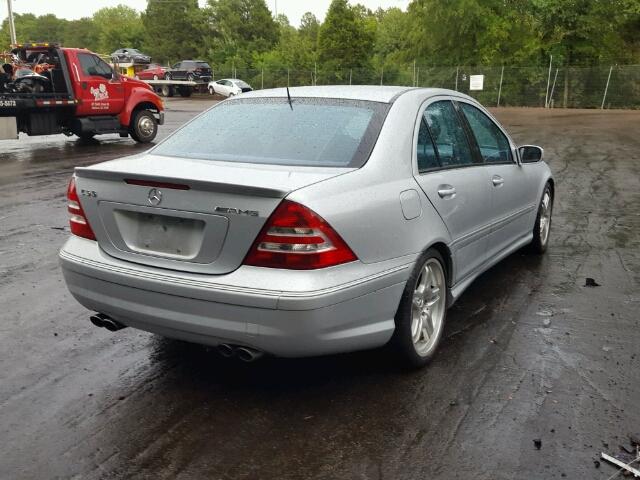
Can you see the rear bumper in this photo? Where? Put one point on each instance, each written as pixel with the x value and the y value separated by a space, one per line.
pixel 327 312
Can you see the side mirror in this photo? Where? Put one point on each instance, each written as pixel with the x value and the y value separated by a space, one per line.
pixel 530 153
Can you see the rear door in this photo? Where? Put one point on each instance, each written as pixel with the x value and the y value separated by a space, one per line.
pixel 455 183
pixel 100 88
pixel 512 191
pixel 177 71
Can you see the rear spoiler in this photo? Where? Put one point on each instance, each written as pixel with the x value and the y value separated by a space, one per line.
pixel 234 188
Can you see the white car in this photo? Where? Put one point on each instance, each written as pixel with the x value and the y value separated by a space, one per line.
pixel 228 87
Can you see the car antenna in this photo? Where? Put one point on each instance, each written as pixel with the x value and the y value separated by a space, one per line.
pixel 289 97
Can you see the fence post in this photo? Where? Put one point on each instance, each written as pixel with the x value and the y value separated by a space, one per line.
pixel 457 73
pixel 546 95
pixel 315 73
pixel 553 88
pixel 288 78
pixel 262 80
pixel 381 76
pixel 500 87
pixel 414 73
pixel 606 88
pixel 418 77
pixel 350 75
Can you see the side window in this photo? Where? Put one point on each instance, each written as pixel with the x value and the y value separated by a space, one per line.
pixel 452 146
pixel 92 66
pixel 176 66
pixel 493 144
pixel 427 158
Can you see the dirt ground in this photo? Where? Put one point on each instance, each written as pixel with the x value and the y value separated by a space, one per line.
pixel 530 352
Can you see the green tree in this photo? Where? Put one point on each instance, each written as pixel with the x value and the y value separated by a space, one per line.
pixel 118 27
pixel 471 32
pixel 81 33
pixel 344 40
pixel 174 30
pixel 241 29
pixel 309 29
pixel 29 28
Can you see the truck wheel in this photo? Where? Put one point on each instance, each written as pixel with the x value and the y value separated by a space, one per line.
pixel 144 127
pixel 166 91
pixel 190 77
pixel 167 76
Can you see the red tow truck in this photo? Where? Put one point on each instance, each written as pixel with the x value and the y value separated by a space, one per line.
pixel 74 92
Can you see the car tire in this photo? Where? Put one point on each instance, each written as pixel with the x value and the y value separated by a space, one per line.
pixel 423 307
pixel 190 78
pixel 155 77
pixel 143 127
pixel 212 91
pixel 85 136
pixel 167 76
pixel 542 227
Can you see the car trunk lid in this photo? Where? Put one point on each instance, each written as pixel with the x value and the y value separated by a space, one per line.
pixel 189 215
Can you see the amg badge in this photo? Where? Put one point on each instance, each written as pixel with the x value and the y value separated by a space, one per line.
pixel 236 211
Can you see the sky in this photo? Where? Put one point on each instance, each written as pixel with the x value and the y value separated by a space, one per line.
pixel 73 9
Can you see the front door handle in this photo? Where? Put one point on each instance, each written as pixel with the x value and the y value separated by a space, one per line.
pixel 446 191
pixel 497 180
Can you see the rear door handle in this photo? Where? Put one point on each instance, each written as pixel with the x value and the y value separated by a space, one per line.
pixel 497 180
pixel 446 191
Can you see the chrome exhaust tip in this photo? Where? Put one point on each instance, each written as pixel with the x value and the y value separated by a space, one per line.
pixel 97 320
pixel 226 350
pixel 248 355
pixel 103 321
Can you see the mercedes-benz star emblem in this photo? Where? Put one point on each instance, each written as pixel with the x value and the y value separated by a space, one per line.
pixel 155 197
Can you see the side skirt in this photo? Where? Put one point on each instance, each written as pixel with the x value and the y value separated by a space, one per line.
pixel 462 285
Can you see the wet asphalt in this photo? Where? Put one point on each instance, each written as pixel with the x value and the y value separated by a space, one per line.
pixel 530 352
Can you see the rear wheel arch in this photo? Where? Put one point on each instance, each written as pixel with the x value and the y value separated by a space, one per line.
pixel 445 252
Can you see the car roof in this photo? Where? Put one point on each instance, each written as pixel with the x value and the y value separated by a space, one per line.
pixel 372 93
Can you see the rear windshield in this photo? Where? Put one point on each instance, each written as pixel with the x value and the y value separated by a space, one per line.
pixel 202 65
pixel 242 84
pixel 310 132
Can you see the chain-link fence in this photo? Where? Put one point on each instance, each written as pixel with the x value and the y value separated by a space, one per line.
pixel 615 86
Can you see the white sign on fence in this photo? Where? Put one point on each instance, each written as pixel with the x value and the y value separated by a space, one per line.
pixel 476 82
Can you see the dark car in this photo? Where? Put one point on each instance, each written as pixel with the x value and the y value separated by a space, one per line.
pixel 192 70
pixel 130 55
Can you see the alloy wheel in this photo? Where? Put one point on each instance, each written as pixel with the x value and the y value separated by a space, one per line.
pixel 428 307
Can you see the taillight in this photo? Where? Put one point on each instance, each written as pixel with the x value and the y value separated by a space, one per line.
pixel 77 218
pixel 295 237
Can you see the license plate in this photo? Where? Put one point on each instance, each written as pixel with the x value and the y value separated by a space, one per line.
pixel 161 234
pixel 7 103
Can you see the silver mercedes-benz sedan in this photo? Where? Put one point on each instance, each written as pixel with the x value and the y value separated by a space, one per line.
pixel 306 222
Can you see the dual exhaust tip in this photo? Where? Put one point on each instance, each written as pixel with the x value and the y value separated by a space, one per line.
pixel 245 354
pixel 104 321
